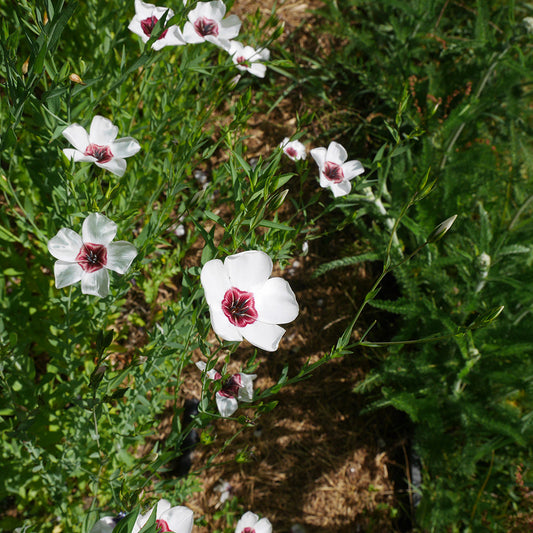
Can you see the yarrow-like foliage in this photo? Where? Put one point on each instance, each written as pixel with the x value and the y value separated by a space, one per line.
pixel 90 256
pixel 144 21
pixel 335 171
pixel 295 150
pixel 237 387
pixel 100 146
pixel 248 59
pixel 244 302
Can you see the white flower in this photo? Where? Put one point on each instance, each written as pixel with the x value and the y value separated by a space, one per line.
pixel 104 525
pixel 237 387
pixel 100 146
pixel 207 23
pixel 250 523
pixel 293 149
pixel 335 171
pixel 225 490
pixel 89 257
pixel 144 21
pixel 244 302
pixel 248 59
pixel 177 519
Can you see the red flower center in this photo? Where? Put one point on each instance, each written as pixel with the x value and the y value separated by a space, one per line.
pixel 148 25
pixel 290 151
pixel 230 389
pixel 239 307
pixel 241 60
pixel 92 257
pixel 333 172
pixel 162 526
pixel 248 530
pixel 205 26
pixel 101 153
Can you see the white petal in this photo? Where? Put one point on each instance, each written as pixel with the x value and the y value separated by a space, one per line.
pixel 98 229
pixel 215 281
pixel 264 336
pixel 117 166
pixel 246 391
pixel 336 153
pixel 324 182
pixel 173 37
pixel 319 155
pixel 76 155
pixel 248 519
pixel 103 131
pixel 179 519
pixel 258 69
pixel 229 27
pixel 143 9
pixel 226 406
pixel 201 365
pixel 104 525
pixel 351 169
pixel 67 273
pixel 120 255
pixel 65 245
pixel 190 35
pixel 248 271
pixel 135 27
pixel 236 48
pixel 218 41
pixel 125 147
pixel 95 283
pixel 341 189
pixel 77 136
pixel 162 507
pixel 215 9
pixel 275 302
pixel 263 526
pixel 222 326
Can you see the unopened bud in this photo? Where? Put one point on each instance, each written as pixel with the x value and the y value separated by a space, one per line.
pixel 76 79
pixel 441 229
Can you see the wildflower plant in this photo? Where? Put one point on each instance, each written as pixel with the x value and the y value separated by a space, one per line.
pixel 85 381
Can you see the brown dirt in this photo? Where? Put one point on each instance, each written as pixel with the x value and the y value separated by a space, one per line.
pixel 314 461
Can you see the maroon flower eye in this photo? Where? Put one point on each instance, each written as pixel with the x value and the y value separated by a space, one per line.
pixel 205 26
pixel 290 151
pixel 147 26
pixel 101 153
pixel 333 172
pixel 230 389
pixel 239 307
pixel 92 257
pixel 162 526
pixel 248 530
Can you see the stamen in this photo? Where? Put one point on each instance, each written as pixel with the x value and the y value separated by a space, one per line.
pixel 101 153
pixel 230 389
pixel 205 26
pixel 333 172
pixel 92 257
pixel 239 307
pixel 147 26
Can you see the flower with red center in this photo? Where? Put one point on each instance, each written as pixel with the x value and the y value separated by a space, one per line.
pixel 177 519
pixel 100 146
pixel 237 388
pixel 295 150
pixel 248 59
pixel 335 171
pixel 90 256
pixel 207 23
pixel 250 523
pixel 244 302
pixel 144 21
